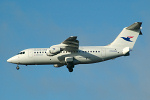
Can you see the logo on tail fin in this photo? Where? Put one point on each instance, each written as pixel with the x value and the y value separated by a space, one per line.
pixel 128 38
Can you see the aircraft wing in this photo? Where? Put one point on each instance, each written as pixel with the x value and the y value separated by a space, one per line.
pixel 71 43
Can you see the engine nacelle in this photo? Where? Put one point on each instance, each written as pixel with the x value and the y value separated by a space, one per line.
pixel 58 65
pixel 53 50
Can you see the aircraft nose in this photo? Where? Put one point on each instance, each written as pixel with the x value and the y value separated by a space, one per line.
pixel 9 60
pixel 13 59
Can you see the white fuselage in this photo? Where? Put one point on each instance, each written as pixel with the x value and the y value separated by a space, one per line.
pixel 70 53
pixel 85 55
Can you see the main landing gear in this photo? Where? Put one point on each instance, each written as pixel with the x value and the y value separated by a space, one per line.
pixel 17 67
pixel 70 67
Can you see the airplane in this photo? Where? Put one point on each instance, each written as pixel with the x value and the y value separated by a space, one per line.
pixel 69 52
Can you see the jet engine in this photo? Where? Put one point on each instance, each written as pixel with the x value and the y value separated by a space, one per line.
pixel 53 50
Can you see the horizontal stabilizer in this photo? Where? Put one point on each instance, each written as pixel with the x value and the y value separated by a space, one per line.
pixel 135 26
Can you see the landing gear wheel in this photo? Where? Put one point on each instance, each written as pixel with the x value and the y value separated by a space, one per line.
pixel 70 70
pixel 70 67
pixel 17 68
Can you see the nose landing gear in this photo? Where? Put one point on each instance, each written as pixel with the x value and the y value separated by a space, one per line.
pixel 17 67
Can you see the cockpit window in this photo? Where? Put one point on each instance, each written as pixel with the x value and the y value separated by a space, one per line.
pixel 22 52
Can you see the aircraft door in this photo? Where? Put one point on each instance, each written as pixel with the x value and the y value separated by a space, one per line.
pixel 103 52
pixel 30 53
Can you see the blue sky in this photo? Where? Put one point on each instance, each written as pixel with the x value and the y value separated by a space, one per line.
pixel 40 24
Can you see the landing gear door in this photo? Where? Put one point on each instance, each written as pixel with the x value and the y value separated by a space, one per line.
pixel 30 53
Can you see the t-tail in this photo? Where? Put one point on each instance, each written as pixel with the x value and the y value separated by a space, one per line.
pixel 128 36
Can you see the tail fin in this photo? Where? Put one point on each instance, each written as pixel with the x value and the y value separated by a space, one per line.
pixel 128 36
